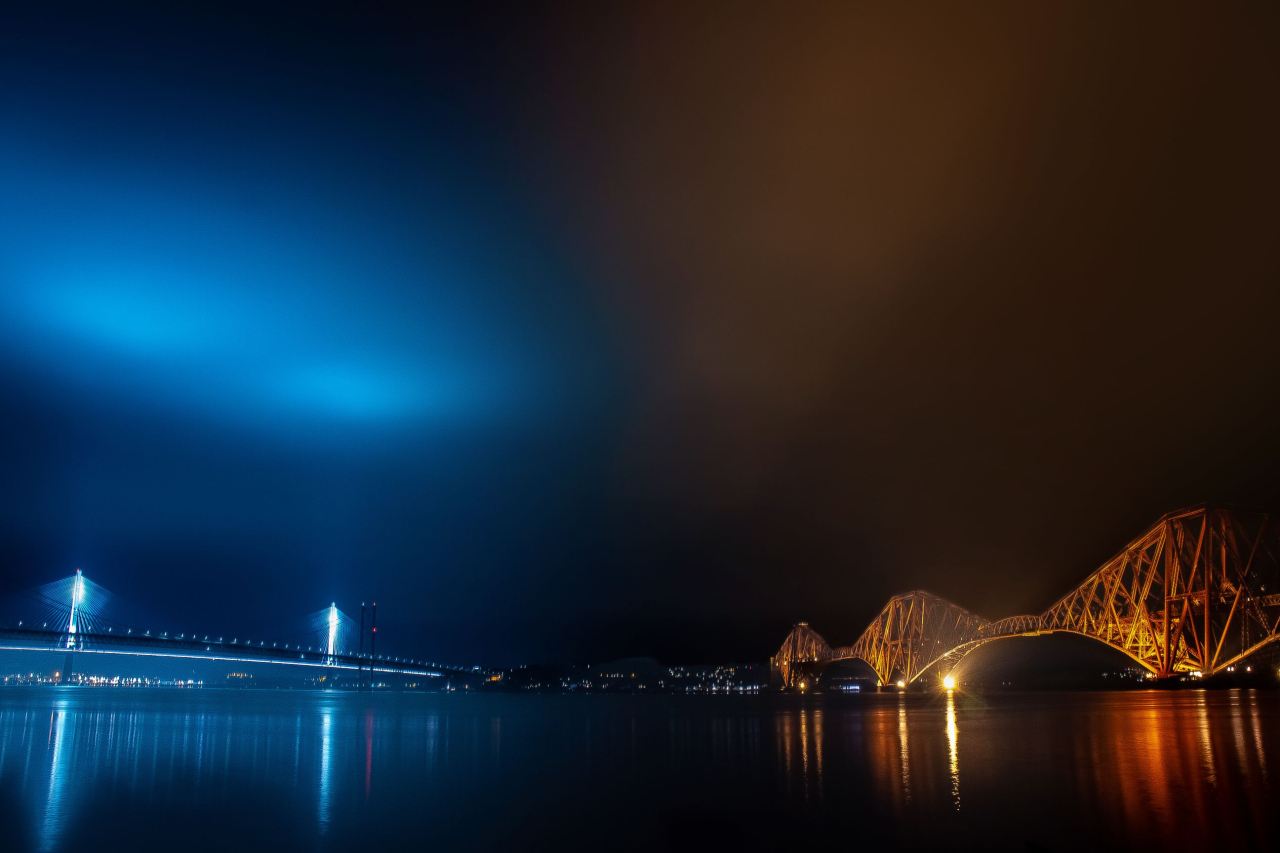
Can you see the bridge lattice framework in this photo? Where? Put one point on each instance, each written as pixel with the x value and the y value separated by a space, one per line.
pixel 1199 591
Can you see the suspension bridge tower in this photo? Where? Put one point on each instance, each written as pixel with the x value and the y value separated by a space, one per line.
pixel 77 599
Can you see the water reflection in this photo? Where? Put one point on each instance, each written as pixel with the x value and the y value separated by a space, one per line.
pixel 800 740
pixel 56 800
pixel 326 757
pixel 1237 728
pixel 904 748
pixel 368 753
pixel 1255 719
pixel 952 732
pixel 1141 770
pixel 1204 738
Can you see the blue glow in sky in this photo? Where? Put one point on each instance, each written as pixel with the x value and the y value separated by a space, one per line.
pixel 299 314
pixel 275 315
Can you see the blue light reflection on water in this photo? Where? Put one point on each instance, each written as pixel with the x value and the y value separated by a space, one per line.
pixel 297 770
pixel 53 820
pixel 326 758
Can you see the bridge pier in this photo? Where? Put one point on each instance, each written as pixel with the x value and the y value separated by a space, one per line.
pixel 790 676
pixel 68 667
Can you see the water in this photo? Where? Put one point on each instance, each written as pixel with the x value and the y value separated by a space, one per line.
pixel 231 770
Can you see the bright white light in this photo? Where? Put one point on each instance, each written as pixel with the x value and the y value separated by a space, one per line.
pixel 238 659
pixel 333 626
pixel 949 682
pixel 77 596
pixel 902 684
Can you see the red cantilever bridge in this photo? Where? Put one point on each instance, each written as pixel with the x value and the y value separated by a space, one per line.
pixel 1198 592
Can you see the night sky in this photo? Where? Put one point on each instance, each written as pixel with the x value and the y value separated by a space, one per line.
pixel 573 332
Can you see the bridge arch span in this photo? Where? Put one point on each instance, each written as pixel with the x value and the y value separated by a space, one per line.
pixel 1199 591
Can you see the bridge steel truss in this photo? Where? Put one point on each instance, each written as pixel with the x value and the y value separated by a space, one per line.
pixel 1196 593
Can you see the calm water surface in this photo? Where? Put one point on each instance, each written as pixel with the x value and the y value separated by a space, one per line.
pixel 229 770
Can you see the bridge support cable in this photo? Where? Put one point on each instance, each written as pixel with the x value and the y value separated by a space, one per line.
pixel 66 616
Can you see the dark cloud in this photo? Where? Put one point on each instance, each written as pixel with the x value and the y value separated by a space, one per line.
pixel 958 298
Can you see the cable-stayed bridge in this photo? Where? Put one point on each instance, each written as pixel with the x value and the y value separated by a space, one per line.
pixel 1198 592
pixel 76 617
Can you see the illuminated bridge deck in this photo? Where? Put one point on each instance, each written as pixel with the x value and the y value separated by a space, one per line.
pixel 192 649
